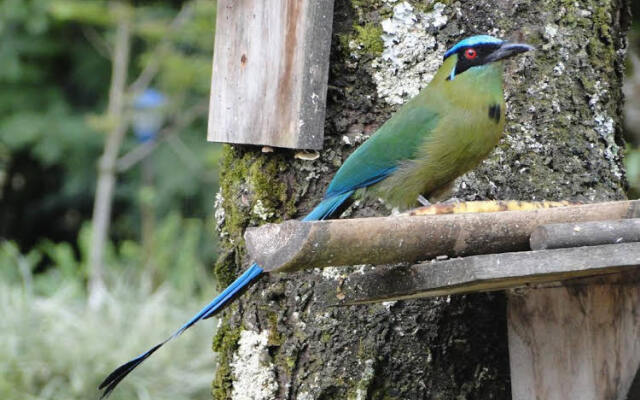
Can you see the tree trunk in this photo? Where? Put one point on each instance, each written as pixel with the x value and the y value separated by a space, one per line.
pixel 106 181
pixel 562 142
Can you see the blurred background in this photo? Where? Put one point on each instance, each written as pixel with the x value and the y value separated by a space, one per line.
pixel 632 105
pixel 72 74
pixel 91 91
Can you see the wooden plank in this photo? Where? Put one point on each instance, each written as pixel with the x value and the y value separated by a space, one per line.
pixel 483 273
pixel 576 234
pixel 296 245
pixel 576 342
pixel 270 71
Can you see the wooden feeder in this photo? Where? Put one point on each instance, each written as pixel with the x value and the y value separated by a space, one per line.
pixel 270 72
pixel 571 275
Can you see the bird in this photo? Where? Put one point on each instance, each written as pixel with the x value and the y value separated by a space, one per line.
pixel 441 133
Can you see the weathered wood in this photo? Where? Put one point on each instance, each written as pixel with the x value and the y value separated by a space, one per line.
pixel 556 236
pixel 483 273
pixel 575 342
pixel 295 245
pixel 270 71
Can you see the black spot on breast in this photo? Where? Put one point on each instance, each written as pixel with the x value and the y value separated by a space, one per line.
pixel 494 112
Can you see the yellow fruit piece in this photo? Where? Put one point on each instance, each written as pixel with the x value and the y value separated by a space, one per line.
pixel 487 206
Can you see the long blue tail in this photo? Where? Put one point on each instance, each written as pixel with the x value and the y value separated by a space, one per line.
pixel 322 210
pixel 207 311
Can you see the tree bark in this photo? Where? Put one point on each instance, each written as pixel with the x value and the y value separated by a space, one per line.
pixel 562 142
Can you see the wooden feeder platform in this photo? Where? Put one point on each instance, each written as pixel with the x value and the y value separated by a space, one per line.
pixel 570 271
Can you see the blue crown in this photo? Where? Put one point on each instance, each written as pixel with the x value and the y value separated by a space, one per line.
pixel 472 41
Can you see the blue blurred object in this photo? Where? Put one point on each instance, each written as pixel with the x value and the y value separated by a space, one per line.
pixel 148 114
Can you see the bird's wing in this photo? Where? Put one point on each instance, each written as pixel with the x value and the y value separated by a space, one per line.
pixel 397 140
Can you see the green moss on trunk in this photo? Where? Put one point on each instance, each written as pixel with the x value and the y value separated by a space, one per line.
pixel 253 192
pixel 225 342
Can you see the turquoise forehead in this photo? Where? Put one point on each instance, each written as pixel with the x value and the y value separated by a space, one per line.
pixel 473 41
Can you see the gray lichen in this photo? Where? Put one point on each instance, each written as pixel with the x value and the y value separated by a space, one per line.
pixel 218 215
pixel 260 211
pixel 412 53
pixel 253 373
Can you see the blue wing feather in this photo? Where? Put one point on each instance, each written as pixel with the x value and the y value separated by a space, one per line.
pixel 398 140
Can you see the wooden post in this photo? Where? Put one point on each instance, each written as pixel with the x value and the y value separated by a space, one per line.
pixel 575 342
pixel 270 71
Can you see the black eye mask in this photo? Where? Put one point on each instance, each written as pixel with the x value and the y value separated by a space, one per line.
pixel 481 57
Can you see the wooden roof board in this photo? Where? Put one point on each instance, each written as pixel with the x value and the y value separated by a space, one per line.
pixel 270 72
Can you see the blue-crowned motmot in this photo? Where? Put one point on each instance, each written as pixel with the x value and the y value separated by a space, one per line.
pixel 443 132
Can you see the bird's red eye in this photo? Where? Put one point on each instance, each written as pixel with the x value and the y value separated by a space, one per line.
pixel 470 54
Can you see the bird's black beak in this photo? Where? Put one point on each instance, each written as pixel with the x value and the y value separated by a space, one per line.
pixel 507 50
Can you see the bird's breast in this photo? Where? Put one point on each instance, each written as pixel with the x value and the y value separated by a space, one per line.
pixel 467 136
pixel 462 139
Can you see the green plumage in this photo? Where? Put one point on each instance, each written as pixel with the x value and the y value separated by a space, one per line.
pixel 440 134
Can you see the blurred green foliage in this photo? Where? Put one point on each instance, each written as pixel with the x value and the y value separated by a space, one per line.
pixel 176 246
pixel 632 165
pixel 54 81
pixel 632 107
pixel 55 72
pixel 53 346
